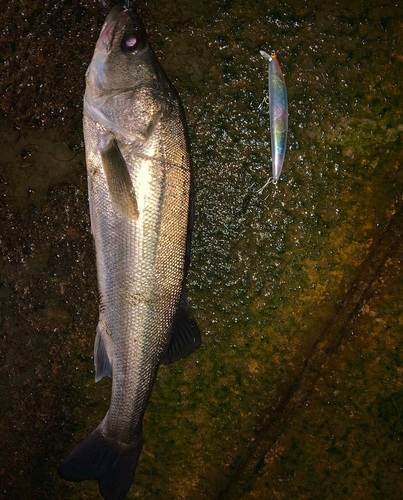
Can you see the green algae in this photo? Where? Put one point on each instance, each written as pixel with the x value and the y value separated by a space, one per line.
pixel 345 441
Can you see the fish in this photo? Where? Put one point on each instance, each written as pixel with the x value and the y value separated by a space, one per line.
pixel 141 209
pixel 278 109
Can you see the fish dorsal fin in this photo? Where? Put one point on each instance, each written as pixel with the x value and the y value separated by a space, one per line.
pixel 185 336
pixel 103 366
pixel 120 185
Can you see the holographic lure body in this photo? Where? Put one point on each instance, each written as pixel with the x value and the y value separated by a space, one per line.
pixel 278 108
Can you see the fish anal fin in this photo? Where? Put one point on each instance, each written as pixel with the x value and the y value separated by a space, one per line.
pixel 185 336
pixel 103 365
pixel 120 185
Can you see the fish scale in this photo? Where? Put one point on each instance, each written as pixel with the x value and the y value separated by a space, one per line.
pixel 139 183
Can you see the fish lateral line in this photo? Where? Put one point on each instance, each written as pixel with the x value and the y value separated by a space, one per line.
pixel 163 162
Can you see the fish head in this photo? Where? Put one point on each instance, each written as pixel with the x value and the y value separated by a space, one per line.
pixel 123 57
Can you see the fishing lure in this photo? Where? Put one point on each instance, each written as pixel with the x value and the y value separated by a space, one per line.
pixel 278 109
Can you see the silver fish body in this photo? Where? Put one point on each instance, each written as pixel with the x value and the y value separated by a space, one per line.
pixel 139 180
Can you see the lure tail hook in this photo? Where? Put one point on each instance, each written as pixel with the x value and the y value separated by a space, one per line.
pixel 269 181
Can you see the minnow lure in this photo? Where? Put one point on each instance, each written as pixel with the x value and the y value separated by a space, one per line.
pixel 278 109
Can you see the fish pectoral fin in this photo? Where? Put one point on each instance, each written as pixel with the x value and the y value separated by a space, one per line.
pixel 103 366
pixel 120 185
pixel 185 337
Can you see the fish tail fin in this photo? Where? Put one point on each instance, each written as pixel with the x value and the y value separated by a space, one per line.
pixel 110 462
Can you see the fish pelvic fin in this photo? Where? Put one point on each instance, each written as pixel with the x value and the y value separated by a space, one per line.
pixel 103 365
pixel 112 463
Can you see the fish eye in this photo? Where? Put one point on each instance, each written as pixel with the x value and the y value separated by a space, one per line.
pixel 130 42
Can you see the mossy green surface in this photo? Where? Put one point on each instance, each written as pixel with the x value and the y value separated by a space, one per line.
pixel 345 441
pixel 268 273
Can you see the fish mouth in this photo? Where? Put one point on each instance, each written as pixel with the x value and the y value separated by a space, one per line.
pixel 117 15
